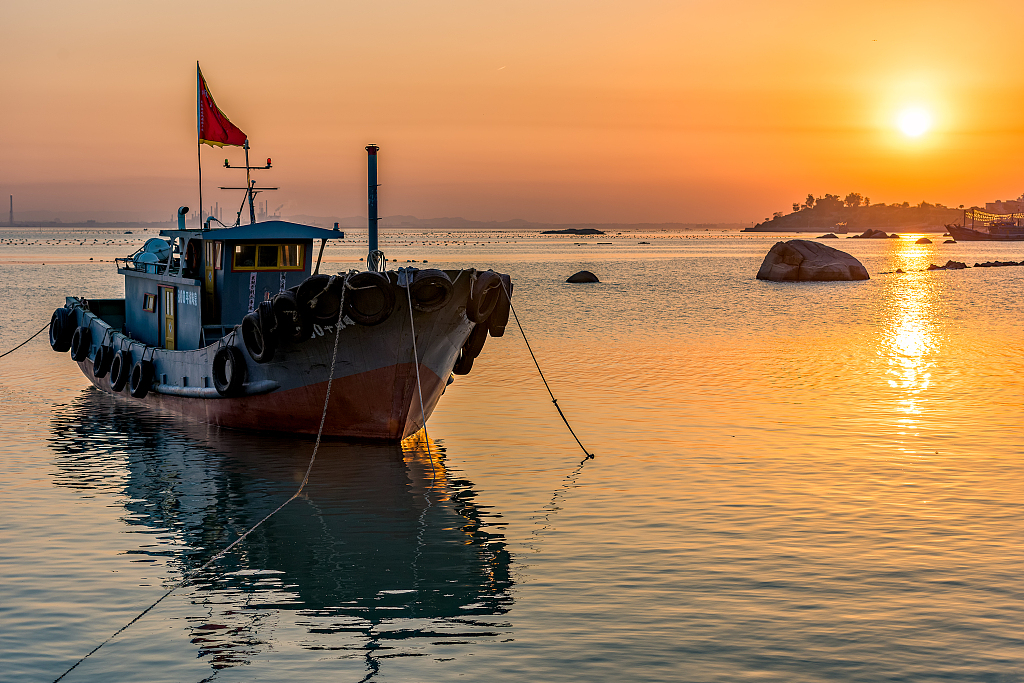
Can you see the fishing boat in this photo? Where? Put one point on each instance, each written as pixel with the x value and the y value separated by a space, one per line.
pixel 988 226
pixel 236 326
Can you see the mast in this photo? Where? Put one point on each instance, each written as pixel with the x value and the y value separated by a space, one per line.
pixel 199 144
pixel 371 196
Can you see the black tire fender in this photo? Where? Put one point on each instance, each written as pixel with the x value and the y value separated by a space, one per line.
pixel 61 330
pixel 120 369
pixel 229 371
pixel 101 362
pixel 463 364
pixel 81 342
pixel 369 298
pixel 257 333
pixel 483 296
pixel 475 342
pixel 293 326
pixel 318 298
pixel 141 379
pixel 430 289
pixel 498 319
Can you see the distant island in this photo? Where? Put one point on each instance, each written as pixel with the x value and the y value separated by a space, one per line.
pixel 574 231
pixel 856 213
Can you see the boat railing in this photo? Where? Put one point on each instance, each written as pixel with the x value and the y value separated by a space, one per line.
pixel 129 263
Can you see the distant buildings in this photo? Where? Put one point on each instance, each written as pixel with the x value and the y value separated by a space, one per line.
pixel 1009 206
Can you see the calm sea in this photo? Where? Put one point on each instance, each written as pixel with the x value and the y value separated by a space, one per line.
pixel 792 482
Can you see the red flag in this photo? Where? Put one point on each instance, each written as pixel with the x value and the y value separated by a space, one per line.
pixel 214 127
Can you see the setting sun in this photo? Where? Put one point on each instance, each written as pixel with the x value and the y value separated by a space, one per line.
pixel 915 121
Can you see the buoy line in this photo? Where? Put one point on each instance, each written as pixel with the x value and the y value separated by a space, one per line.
pixel 25 342
pixel 192 572
pixel 541 373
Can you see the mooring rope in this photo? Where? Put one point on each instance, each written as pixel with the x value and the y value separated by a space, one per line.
pixel 419 385
pixel 25 342
pixel 192 572
pixel 541 372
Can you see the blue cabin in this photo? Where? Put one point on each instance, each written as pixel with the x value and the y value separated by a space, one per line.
pixel 190 289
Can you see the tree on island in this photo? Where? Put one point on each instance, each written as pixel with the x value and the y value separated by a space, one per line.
pixel 853 199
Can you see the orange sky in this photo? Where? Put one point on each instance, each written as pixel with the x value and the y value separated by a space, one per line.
pixel 548 111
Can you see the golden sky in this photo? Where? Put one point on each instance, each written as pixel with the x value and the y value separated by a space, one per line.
pixel 566 111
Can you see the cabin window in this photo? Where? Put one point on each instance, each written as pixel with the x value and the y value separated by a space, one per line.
pixel 267 257
pixel 213 254
pixel 149 303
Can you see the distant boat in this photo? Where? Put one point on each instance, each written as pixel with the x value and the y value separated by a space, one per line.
pixel 986 226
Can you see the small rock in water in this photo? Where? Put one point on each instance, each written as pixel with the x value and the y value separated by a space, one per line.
pixel 829 236
pixel 924 240
pixel 582 276
pixel 806 261
pixel 950 242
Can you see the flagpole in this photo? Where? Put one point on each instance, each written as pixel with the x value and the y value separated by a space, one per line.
pixel 199 145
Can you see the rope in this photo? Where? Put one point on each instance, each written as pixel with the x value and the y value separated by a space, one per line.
pixel 541 372
pixel 419 385
pixel 25 342
pixel 191 573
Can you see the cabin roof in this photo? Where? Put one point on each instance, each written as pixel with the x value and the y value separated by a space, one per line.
pixel 267 230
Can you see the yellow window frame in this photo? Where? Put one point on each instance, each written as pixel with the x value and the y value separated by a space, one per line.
pixel 279 264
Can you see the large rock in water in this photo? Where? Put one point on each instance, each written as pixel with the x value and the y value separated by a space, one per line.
pixel 806 261
pixel 582 276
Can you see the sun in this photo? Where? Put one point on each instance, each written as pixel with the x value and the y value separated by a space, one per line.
pixel 914 121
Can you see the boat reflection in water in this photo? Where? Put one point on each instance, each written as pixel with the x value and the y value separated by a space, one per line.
pixel 381 551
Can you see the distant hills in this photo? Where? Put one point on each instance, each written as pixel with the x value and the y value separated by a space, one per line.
pixel 855 214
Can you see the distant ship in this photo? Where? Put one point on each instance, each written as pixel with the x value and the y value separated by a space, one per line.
pixel 988 227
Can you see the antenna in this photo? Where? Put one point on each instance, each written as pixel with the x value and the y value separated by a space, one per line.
pixel 250 185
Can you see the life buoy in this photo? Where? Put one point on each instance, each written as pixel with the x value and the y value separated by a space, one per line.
pixel 483 296
pixel 258 333
pixel 61 330
pixel 101 362
pixel 141 379
pixel 81 342
pixel 228 371
pixel 498 319
pixel 369 298
pixel 120 370
pixel 192 258
pixel 292 325
pixel 430 289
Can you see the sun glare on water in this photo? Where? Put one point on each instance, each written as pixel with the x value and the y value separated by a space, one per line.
pixel 915 122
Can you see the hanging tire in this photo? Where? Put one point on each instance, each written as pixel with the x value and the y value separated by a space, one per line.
pixel 81 342
pixel 120 370
pixel 140 379
pixel 258 333
pixel 292 326
pixel 369 298
pixel 430 290
pixel 463 364
pixel 475 343
pixel 498 319
pixel 61 330
pixel 318 298
pixel 229 371
pixel 483 296
pixel 101 362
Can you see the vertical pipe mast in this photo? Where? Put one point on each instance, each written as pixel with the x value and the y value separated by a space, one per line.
pixel 199 145
pixel 371 195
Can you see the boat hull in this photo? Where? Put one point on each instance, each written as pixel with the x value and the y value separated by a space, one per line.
pixel 964 234
pixel 374 393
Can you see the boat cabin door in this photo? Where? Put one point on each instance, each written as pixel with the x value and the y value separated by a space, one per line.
pixel 211 263
pixel 167 305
